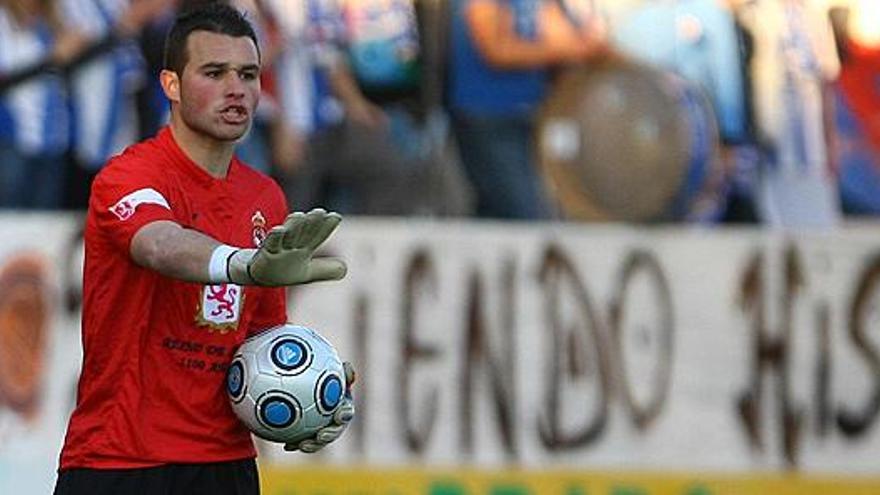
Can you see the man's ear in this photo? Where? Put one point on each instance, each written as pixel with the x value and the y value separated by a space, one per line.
pixel 170 82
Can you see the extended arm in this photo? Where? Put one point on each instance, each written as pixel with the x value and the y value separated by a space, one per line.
pixel 284 258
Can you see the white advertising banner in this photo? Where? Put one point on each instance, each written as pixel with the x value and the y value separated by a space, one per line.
pixel 537 346
pixel 587 347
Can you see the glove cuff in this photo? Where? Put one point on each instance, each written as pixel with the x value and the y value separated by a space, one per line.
pixel 238 267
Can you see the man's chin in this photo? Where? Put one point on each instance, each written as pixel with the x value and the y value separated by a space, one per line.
pixel 232 134
pixel 220 131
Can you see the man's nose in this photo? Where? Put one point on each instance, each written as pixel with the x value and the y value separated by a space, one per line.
pixel 234 85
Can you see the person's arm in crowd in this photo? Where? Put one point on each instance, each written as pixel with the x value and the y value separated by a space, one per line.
pixel 492 28
pixel 128 25
pixel 139 14
pixel 288 145
pixel 66 58
pixel 12 79
pixel 357 106
pixel 67 50
pixel 72 49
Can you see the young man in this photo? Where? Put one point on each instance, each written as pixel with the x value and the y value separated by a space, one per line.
pixel 180 266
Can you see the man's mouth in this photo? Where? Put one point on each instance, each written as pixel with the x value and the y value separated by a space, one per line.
pixel 234 114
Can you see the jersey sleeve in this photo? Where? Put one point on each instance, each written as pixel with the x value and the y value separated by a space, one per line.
pixel 125 198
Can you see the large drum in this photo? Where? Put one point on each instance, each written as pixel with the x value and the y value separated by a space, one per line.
pixel 622 141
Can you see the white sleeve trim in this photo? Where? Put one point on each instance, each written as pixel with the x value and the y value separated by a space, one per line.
pixel 125 207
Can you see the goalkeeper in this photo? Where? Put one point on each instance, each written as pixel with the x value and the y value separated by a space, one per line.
pixel 181 262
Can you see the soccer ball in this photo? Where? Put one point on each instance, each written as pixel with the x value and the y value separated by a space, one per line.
pixel 285 383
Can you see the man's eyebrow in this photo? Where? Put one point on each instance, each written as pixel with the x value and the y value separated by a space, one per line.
pixel 225 66
pixel 214 65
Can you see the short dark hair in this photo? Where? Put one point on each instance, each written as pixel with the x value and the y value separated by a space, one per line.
pixel 215 17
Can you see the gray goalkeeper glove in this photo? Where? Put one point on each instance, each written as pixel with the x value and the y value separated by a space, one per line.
pixel 341 418
pixel 286 255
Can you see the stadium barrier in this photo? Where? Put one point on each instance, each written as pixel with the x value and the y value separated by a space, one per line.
pixel 513 358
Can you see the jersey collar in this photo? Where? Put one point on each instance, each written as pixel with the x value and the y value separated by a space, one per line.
pixel 189 167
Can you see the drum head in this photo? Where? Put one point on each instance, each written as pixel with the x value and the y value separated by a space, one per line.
pixel 614 143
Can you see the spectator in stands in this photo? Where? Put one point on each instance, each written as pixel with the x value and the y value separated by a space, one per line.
pixel 857 107
pixel 501 57
pixel 103 84
pixel 34 121
pixel 794 59
pixel 336 145
pixel 335 117
pixel 152 109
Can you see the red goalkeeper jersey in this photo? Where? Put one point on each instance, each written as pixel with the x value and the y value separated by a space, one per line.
pixel 152 386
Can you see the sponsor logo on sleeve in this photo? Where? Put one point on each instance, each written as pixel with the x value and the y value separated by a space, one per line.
pixel 125 207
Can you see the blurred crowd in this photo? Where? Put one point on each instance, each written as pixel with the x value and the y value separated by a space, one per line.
pixel 440 107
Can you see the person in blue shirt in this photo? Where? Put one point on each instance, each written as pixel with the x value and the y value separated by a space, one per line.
pixel 501 56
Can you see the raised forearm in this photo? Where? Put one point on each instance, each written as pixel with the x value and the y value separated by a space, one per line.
pixel 174 251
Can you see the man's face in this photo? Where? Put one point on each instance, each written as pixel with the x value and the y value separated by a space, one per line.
pixel 220 85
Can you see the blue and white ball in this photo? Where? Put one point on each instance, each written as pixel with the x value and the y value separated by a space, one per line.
pixel 285 383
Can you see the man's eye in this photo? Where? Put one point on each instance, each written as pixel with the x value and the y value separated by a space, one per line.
pixel 248 76
pixel 213 74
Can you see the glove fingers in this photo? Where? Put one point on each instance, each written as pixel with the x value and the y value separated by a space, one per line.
pixel 329 434
pixel 312 228
pixel 293 227
pixel 321 269
pixel 272 242
pixel 350 375
pixel 310 446
pixel 326 227
pixel 345 413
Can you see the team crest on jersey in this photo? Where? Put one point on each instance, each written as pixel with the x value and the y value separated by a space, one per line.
pixel 220 307
pixel 259 228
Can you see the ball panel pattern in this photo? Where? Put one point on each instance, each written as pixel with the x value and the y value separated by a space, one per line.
pixel 291 354
pixel 276 410
pixel 235 380
pixel 285 383
pixel 328 393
